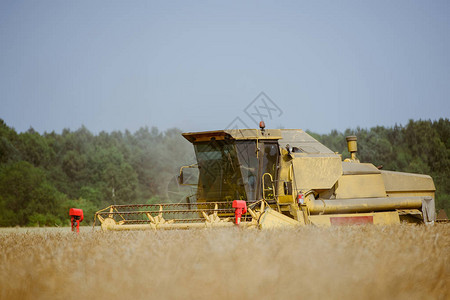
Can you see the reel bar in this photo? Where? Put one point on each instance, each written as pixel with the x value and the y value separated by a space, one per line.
pixel 164 211
pixel 170 205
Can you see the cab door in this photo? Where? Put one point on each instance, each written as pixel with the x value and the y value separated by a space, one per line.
pixel 268 162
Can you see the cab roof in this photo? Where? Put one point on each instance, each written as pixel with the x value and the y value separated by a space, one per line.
pixel 234 134
pixel 298 140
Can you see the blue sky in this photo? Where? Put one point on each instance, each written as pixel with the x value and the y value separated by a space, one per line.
pixel 116 65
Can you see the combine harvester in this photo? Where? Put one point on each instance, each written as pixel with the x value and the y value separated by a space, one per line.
pixel 258 178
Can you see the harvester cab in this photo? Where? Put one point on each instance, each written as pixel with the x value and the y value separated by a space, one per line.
pixel 285 178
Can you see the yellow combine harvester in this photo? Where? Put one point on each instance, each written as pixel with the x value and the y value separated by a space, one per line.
pixel 281 177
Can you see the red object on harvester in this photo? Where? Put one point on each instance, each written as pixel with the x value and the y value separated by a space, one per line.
pixel 76 216
pixel 240 208
pixel 300 198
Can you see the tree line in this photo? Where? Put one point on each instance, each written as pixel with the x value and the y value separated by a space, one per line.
pixel 43 175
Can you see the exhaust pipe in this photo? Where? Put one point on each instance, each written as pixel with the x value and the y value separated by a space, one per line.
pixel 352 148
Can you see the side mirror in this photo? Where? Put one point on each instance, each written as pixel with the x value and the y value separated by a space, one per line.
pixel 180 177
pixel 188 180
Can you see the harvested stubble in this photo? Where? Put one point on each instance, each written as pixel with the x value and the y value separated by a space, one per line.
pixel 366 262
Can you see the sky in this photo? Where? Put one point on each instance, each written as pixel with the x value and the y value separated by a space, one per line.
pixel 210 65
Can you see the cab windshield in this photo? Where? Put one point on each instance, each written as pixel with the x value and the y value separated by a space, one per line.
pixel 229 170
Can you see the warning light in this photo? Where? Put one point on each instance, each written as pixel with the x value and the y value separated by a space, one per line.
pixel 262 125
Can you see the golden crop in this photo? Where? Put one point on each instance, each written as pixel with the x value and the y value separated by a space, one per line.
pixel 365 262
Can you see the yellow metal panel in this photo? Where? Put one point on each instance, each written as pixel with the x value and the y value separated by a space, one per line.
pixel 360 186
pixel 320 220
pixel 284 176
pixel 386 218
pixel 286 199
pixel 316 171
pixel 355 168
pixel 378 218
pixel 410 194
pixel 273 219
pixel 398 182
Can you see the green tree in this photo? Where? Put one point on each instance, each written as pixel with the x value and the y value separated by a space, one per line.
pixel 26 191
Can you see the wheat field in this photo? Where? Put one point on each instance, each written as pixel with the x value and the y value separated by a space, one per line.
pixel 362 262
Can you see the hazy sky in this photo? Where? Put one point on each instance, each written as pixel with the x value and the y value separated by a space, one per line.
pixel 115 65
